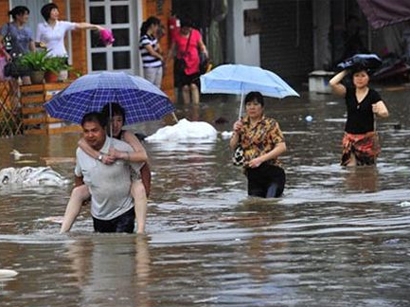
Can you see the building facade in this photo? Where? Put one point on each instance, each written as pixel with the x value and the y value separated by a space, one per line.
pixel 290 37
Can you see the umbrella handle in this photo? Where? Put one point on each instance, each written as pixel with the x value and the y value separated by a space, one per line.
pixel 241 106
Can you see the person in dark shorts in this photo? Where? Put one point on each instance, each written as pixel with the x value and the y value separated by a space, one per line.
pixel 112 206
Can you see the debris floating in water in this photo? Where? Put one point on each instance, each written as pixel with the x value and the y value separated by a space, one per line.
pixel 31 176
pixel 308 118
pixel 405 204
pixel 7 273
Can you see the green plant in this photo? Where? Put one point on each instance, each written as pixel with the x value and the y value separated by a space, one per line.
pixel 34 60
pixel 56 64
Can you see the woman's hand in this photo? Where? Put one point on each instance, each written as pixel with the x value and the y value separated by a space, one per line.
pixel 108 159
pixel 237 126
pixel 255 162
pixel 380 109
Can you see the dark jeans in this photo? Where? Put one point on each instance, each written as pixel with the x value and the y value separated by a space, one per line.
pixel 123 223
pixel 266 181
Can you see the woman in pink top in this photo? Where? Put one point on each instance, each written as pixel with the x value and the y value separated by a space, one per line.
pixel 187 44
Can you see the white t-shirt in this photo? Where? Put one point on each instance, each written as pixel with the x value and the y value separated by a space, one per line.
pixel 109 185
pixel 53 37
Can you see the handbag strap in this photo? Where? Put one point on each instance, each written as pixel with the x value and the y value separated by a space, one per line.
pixel 187 43
pixel 8 32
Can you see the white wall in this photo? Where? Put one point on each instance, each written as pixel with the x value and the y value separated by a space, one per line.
pixel 241 49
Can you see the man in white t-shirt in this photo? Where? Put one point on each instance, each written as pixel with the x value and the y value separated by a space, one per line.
pixel 51 32
pixel 112 207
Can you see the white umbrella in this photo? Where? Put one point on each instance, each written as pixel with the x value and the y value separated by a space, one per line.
pixel 241 79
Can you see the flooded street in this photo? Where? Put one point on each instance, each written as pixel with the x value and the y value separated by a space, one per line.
pixel 338 237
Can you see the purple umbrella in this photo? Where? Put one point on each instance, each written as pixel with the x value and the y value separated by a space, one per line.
pixel 142 101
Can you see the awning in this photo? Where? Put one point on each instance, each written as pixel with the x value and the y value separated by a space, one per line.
pixel 381 13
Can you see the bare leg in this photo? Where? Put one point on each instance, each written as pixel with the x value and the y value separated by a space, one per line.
pixel 352 161
pixel 186 94
pixel 78 196
pixel 140 204
pixel 194 93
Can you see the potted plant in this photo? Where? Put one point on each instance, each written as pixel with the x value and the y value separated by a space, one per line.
pixel 54 66
pixel 36 63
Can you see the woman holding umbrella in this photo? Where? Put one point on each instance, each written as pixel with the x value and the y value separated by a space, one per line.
pixel 360 144
pixel 141 183
pixel 262 142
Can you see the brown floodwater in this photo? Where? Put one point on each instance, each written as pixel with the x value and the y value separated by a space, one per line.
pixel 338 237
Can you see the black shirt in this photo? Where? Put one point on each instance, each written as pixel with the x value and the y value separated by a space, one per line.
pixel 360 118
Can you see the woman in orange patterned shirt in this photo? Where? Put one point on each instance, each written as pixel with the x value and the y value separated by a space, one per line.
pixel 262 142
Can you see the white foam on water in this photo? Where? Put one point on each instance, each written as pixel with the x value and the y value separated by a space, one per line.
pixel 7 273
pixel 184 131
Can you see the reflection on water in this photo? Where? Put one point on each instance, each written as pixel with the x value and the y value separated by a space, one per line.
pixel 338 237
pixel 364 179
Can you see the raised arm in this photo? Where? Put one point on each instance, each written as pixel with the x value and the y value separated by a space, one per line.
pixel 335 83
pixel 86 25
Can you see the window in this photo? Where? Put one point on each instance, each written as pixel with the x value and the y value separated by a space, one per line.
pixel 114 15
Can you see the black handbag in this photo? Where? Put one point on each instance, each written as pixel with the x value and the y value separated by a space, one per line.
pixel 179 66
pixel 179 63
pixel 11 69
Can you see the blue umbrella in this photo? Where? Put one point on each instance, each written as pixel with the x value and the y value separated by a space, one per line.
pixel 142 101
pixel 241 79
